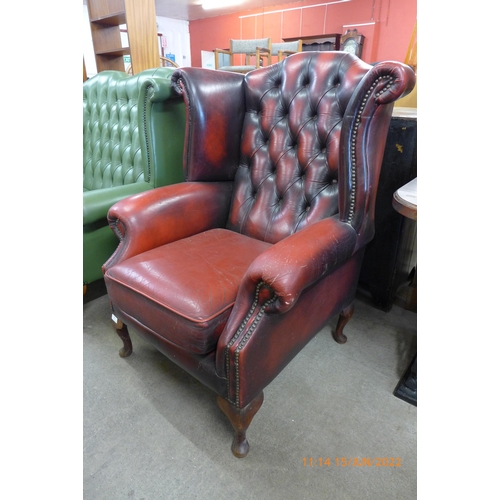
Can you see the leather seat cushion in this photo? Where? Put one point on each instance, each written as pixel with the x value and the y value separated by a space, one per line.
pixel 184 291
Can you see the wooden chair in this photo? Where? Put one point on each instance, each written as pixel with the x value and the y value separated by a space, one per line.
pixel 257 50
pixel 285 49
pixel 168 63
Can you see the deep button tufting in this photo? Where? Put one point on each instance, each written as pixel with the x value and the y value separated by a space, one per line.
pixel 302 115
pixel 117 158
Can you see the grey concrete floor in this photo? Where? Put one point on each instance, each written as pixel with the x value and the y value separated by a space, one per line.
pixel 153 432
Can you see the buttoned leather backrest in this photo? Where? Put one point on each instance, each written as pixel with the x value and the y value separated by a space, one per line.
pixel 288 176
pixel 301 140
pixel 132 129
pixel 112 152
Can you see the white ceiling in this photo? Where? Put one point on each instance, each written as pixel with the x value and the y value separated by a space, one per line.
pixel 191 10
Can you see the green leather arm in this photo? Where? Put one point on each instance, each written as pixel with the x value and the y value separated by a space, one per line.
pixel 97 203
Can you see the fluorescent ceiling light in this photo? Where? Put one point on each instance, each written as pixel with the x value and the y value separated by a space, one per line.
pixel 219 4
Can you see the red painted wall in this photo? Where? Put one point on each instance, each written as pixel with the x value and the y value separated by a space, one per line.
pixel 387 25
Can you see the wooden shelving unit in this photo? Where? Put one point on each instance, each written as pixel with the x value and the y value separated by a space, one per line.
pixel 106 16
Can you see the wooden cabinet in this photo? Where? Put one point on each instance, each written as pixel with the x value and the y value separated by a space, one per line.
pixel 318 42
pixel 390 256
pixel 106 16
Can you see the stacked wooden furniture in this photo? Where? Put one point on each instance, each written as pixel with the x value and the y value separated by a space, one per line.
pixel 390 256
pixel 106 16
pixel 326 42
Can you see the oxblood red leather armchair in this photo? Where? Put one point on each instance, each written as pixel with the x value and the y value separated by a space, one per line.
pixel 231 273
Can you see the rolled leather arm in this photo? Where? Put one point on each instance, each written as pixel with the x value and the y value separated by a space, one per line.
pixel 286 269
pixel 403 81
pixel 294 263
pixel 157 82
pixel 166 214
pixel 97 203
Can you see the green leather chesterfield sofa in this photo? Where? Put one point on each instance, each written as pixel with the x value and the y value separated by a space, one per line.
pixel 133 140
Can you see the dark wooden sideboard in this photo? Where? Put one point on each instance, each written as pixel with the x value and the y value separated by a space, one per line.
pixel 390 256
pixel 318 42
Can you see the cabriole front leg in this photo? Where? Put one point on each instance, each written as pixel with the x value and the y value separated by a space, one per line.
pixel 240 419
pixel 345 316
pixel 122 331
